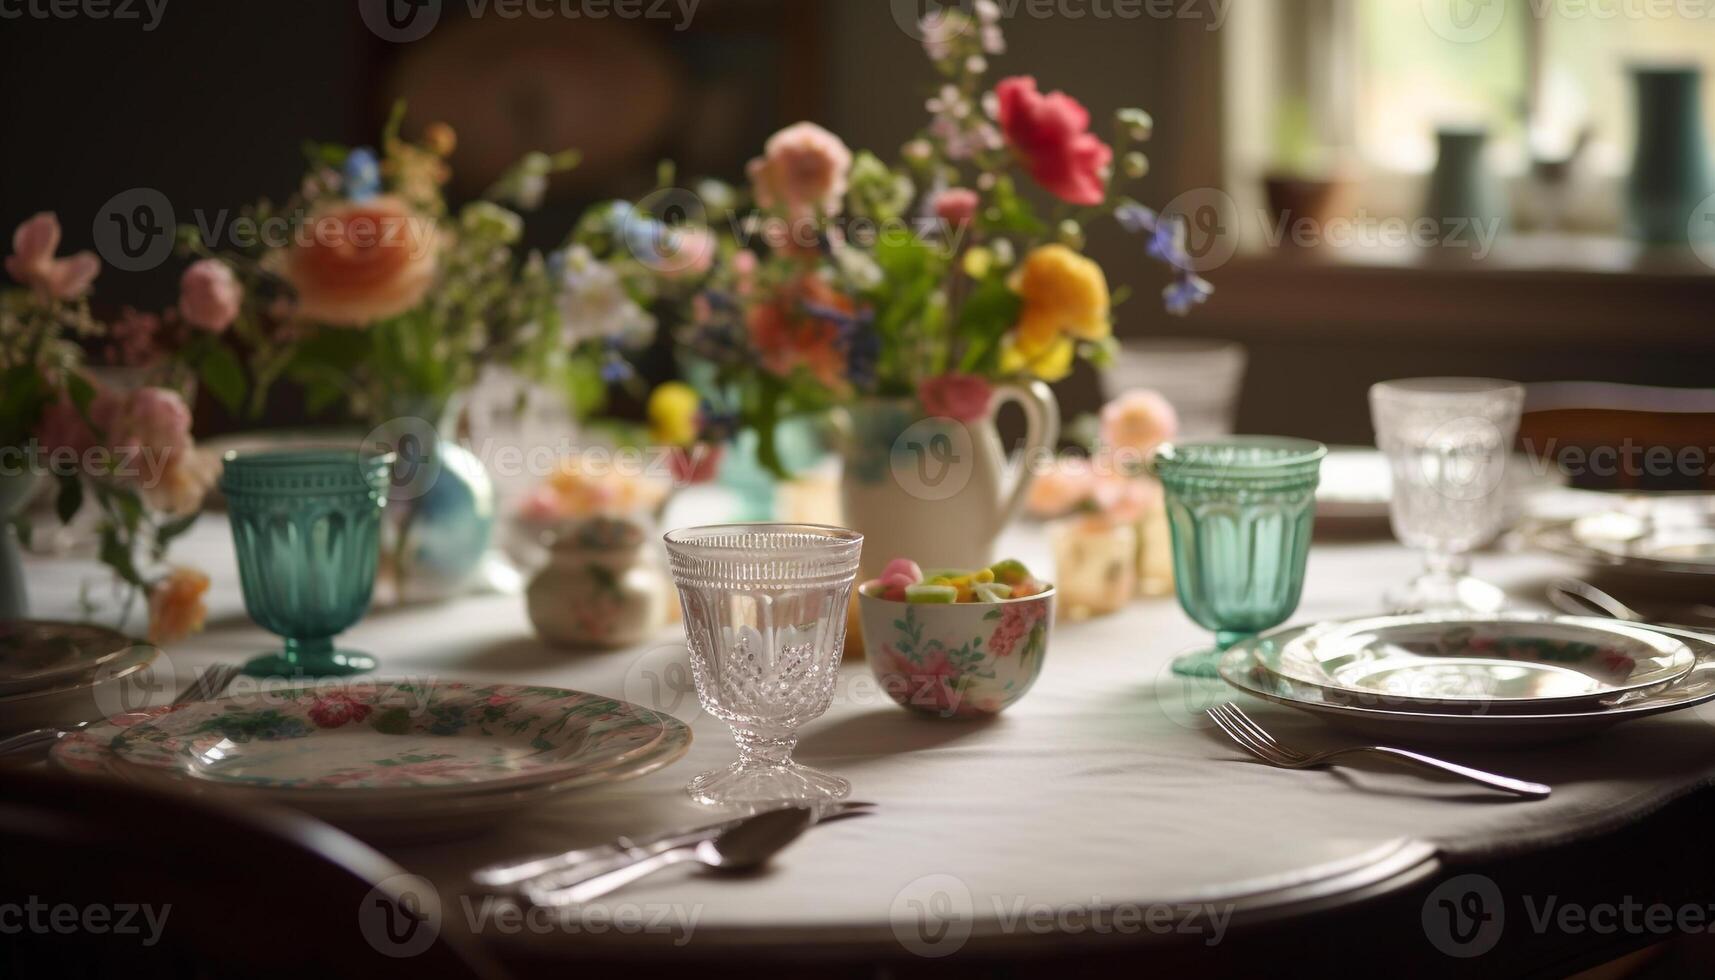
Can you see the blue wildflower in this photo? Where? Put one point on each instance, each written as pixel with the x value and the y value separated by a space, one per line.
pixel 362 174
pixel 1187 290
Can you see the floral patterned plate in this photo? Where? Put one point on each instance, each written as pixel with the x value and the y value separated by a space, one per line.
pixel 400 738
pixel 1522 661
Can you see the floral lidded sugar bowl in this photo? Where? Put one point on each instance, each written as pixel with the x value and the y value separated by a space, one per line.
pixel 956 659
pixel 599 589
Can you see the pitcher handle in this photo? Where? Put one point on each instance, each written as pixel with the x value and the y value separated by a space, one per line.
pixel 1041 434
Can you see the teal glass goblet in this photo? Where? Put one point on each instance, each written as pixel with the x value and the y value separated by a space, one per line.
pixel 307 525
pixel 1241 510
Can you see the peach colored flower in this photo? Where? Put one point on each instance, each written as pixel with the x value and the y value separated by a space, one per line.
pixel 956 206
pixel 1051 133
pixel 1061 487
pixel 1125 499
pixel 209 295
pixel 789 338
pixel 961 397
pixel 32 262
pixel 802 167
pixel 362 262
pixel 176 606
pixel 1138 421
pixel 180 487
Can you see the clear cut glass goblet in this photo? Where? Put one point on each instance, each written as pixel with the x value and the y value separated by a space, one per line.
pixel 1241 511
pixel 1447 441
pixel 765 620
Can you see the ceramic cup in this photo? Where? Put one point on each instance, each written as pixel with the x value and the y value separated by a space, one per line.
pixel 966 660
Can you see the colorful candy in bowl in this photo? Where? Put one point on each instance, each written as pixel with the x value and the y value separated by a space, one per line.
pixel 956 644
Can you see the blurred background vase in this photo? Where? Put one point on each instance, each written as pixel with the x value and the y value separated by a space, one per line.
pixel 1671 172
pixel 15 491
pixel 934 489
pixel 1462 191
pixel 599 589
pixel 441 510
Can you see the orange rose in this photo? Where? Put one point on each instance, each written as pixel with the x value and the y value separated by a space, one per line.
pixel 176 608
pixel 356 263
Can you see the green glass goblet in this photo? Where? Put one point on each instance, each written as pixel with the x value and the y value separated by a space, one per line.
pixel 307 524
pixel 1241 511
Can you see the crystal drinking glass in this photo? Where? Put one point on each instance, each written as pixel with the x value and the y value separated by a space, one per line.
pixel 1447 442
pixel 1241 510
pixel 307 524
pixel 765 619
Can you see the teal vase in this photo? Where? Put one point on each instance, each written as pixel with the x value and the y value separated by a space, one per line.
pixel 1671 172
pixel 1241 512
pixel 1462 192
pixel 307 525
pixel 15 490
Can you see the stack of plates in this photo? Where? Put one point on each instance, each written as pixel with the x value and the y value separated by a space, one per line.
pixel 394 760
pixel 1667 542
pixel 63 673
pixel 1505 678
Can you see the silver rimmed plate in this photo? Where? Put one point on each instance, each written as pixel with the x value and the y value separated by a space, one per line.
pixel 1250 668
pixel 1519 662
pixel 1632 544
pixel 394 760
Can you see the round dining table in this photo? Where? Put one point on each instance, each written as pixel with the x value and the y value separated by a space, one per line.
pixel 1101 820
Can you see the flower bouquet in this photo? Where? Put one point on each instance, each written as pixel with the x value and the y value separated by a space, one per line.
pixel 934 288
pixel 123 450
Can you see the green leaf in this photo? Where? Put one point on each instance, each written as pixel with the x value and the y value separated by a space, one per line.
pixel 25 529
pixel 116 554
pixel 69 500
pixel 165 534
pixel 223 376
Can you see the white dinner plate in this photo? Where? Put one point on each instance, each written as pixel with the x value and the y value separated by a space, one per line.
pixel 1250 667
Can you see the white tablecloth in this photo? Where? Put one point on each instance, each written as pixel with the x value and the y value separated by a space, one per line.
pixel 1104 787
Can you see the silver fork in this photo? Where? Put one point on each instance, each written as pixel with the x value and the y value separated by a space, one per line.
pixel 210 683
pixel 1253 738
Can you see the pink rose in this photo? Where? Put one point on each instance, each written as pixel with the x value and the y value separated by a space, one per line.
pixel 1062 487
pixel 802 167
pixel 956 206
pixel 1051 132
pixel 32 261
pixel 1138 421
pixel 209 295
pixel 63 428
pixel 962 397
pixel 1126 499
pixel 152 419
pixel 362 262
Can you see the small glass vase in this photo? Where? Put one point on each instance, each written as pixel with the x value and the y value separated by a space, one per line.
pixel 306 525
pixel 1095 565
pixel 1241 510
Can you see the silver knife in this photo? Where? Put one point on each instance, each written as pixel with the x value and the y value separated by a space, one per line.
pixel 622 850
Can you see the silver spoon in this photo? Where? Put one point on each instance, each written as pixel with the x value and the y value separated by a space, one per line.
pixel 746 846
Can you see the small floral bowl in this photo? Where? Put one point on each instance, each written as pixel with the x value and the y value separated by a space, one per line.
pixel 964 660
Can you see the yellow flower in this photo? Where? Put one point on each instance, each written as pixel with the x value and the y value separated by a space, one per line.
pixel 673 410
pixel 1050 364
pixel 1064 294
pixel 176 607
